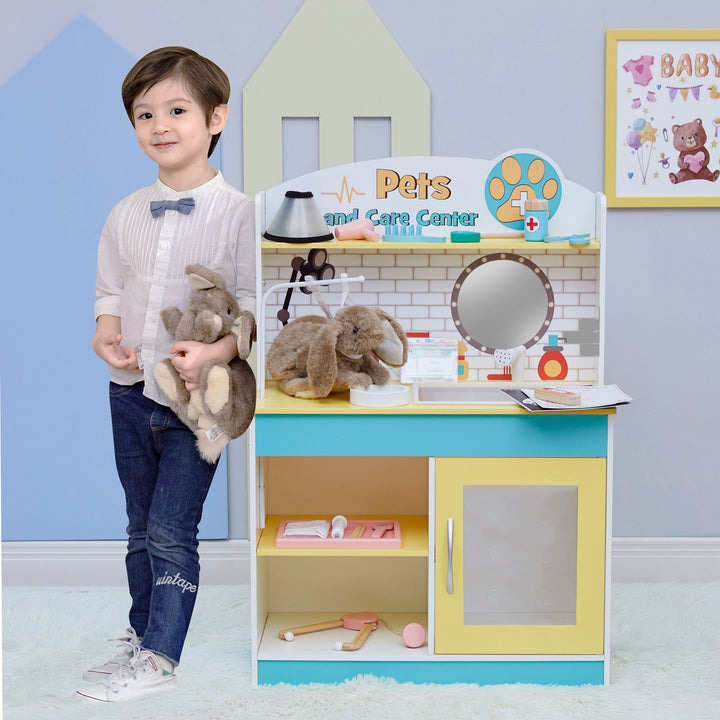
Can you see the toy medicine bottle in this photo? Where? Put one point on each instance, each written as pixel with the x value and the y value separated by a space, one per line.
pixel 536 220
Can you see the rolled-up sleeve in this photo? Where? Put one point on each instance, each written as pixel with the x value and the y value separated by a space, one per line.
pixel 245 260
pixel 109 281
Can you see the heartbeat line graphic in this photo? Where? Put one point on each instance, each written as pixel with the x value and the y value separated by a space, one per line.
pixel 344 190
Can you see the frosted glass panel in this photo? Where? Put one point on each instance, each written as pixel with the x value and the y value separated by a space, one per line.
pixel 519 554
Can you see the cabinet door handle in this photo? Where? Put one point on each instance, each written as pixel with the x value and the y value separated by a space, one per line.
pixel 450 533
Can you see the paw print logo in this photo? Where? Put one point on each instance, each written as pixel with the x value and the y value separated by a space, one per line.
pixel 517 178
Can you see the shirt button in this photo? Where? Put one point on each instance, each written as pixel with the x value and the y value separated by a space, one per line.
pixel 163 246
pixel 158 283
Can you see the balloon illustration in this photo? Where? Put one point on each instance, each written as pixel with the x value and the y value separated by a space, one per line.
pixel 633 139
pixel 641 139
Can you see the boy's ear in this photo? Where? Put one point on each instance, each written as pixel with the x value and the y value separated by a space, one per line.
pixel 218 119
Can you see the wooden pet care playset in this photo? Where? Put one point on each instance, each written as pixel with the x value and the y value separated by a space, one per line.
pixel 461 537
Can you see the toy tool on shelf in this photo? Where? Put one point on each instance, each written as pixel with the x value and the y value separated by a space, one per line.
pixel 363 622
pixel 410 233
pixel 352 534
pixel 557 395
pixel 339 523
pixel 361 229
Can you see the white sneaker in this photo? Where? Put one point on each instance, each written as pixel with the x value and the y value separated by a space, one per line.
pixel 104 671
pixel 146 674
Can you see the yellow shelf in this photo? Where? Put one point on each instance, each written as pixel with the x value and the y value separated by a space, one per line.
pixel 413 533
pixel 490 244
pixel 276 402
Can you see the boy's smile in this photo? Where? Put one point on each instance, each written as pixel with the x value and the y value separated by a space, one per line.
pixel 172 130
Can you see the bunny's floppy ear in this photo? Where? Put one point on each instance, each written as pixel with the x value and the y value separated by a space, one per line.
pixel 393 349
pixel 201 278
pixel 322 366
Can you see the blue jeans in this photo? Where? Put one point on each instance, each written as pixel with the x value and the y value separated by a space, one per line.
pixel 166 483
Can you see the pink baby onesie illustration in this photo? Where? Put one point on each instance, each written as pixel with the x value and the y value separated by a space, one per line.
pixel 640 69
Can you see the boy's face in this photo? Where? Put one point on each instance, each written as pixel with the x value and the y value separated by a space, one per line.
pixel 171 127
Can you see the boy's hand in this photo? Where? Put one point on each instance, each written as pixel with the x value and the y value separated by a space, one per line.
pixel 106 344
pixel 191 356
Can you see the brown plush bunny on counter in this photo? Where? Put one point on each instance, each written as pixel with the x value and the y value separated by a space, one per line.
pixel 222 408
pixel 313 356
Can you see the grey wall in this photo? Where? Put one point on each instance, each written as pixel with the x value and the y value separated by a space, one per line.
pixel 501 77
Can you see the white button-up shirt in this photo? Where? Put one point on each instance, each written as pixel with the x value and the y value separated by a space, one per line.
pixel 142 260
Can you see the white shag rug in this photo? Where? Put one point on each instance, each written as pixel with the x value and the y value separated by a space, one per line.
pixel 665 666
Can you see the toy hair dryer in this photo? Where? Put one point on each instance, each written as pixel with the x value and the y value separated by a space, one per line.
pixel 361 229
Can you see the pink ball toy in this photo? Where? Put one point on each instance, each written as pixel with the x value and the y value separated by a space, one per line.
pixel 413 635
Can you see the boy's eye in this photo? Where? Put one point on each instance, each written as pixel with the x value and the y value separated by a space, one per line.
pixel 144 116
pixel 177 111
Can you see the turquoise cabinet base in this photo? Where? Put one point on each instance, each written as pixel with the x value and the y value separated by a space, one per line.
pixel 559 435
pixel 543 450
pixel 556 672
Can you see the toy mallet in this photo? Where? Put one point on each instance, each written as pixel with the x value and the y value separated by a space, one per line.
pixel 365 623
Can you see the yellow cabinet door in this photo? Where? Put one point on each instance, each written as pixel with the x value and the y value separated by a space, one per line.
pixel 520 555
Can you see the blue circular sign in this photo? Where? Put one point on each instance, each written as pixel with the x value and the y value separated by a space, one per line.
pixel 520 177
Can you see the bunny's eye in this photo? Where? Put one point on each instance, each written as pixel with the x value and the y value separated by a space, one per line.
pixel 356 330
pixel 229 310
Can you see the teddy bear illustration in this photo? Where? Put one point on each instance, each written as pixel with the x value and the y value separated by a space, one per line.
pixel 689 140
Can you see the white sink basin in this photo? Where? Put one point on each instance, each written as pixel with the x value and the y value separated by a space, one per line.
pixel 460 393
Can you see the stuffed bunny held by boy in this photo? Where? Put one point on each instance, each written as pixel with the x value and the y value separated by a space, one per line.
pixel 313 356
pixel 222 408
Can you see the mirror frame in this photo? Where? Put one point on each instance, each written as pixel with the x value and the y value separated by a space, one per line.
pixel 483 261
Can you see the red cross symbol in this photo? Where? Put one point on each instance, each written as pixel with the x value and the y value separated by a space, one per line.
pixel 532 224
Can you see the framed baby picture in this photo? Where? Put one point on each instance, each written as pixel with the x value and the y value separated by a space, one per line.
pixel 662 126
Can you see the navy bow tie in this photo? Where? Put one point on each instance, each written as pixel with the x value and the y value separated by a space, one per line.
pixel 184 205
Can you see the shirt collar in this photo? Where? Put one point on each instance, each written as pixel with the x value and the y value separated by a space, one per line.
pixel 167 193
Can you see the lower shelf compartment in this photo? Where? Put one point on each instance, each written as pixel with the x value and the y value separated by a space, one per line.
pixel 382 644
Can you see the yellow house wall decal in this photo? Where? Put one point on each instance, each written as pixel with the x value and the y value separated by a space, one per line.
pixel 335 61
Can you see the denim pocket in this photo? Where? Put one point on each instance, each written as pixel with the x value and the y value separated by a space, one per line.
pixel 120 390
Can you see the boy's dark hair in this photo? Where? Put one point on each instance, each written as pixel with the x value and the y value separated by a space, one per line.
pixel 208 84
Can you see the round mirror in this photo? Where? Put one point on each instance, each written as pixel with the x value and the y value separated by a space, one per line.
pixel 502 301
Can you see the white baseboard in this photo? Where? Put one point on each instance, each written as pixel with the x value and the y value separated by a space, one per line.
pixel 661 559
pixel 86 564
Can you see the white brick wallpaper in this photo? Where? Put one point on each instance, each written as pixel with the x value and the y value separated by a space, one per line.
pixel 415 287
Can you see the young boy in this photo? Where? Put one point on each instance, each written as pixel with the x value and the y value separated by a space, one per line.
pixel 177 102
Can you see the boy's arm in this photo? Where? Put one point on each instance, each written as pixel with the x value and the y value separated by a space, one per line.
pixel 106 344
pixel 245 260
pixel 191 356
pixel 108 286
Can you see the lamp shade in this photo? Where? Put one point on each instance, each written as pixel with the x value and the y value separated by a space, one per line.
pixel 298 220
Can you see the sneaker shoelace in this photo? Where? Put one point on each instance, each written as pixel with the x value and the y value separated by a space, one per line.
pixel 130 641
pixel 131 638
pixel 121 677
